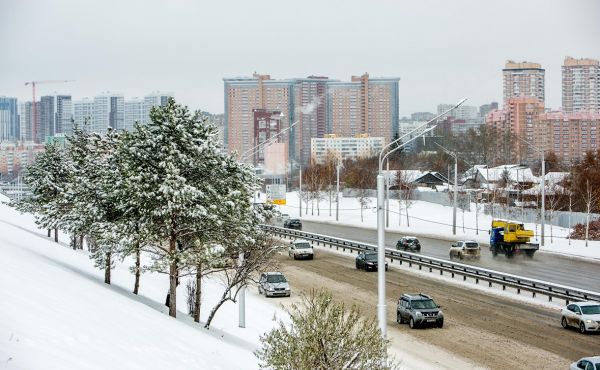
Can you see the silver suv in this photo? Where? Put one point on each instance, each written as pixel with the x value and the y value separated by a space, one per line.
pixel 418 310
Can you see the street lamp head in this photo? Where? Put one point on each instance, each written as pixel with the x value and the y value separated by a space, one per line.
pixel 460 103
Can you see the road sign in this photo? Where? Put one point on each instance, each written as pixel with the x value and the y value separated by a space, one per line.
pixel 276 193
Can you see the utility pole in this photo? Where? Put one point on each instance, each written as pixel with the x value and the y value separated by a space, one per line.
pixel 300 191
pixel 387 195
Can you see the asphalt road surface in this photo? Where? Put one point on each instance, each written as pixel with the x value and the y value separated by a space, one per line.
pixel 487 330
pixel 547 267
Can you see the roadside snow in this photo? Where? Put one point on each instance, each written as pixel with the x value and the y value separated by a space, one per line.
pixel 56 313
pixel 435 221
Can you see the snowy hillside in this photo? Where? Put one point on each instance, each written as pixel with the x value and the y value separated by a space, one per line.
pixel 56 313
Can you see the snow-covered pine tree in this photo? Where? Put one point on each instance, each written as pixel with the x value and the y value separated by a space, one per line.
pixel 46 178
pixel 181 185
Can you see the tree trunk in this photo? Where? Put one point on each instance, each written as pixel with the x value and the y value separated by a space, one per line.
pixel 81 242
pixel 136 286
pixel 197 302
pixel 173 272
pixel 74 241
pixel 56 234
pixel 107 267
pixel 216 308
pixel 49 232
pixel 587 225
pixel 330 200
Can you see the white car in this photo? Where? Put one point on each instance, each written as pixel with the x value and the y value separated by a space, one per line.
pixel 465 249
pixel 586 363
pixel 301 248
pixel 582 315
pixel 273 284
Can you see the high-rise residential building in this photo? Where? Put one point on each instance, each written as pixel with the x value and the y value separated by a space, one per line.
pixel 518 118
pixel 523 79
pixel 364 106
pixel 9 119
pixel 64 115
pixel 134 112
pixel 47 117
pixel 26 125
pixel 108 113
pixel 570 135
pixel 154 99
pixel 267 126
pixel 464 112
pixel 83 111
pixel 315 106
pixel 242 96
pixel 581 85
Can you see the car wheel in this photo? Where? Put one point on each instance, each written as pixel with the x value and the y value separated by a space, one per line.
pixel 460 256
pixel 411 323
pixel 564 323
pixel 357 266
pixel 399 318
pixel 312 257
pixel 440 323
pixel 582 328
pixel 295 257
pixel 386 268
pixel 451 256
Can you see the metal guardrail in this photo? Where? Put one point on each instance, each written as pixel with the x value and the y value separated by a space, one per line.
pixel 551 290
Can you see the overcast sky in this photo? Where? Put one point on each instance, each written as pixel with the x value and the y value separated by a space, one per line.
pixel 442 50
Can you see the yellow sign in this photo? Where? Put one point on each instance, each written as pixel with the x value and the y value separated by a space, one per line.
pixel 281 202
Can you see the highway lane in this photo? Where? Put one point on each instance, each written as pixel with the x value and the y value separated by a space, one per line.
pixel 552 268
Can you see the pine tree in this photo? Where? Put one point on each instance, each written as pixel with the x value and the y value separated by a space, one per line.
pixel 175 178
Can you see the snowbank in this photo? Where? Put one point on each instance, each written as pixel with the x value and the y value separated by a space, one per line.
pixel 434 220
pixel 56 313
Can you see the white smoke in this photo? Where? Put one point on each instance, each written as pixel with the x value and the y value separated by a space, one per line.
pixel 310 107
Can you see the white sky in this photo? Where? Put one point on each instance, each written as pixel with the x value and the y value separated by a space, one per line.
pixel 442 50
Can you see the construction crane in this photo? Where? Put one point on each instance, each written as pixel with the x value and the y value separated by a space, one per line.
pixel 33 111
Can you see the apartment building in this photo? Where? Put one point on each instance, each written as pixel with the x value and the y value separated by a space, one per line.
pixel 523 79
pixel 569 135
pixel 9 119
pixel 342 148
pixel 581 85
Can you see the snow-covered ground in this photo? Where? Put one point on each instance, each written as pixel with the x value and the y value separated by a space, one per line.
pixel 57 313
pixel 434 220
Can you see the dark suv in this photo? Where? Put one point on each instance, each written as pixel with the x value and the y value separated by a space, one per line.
pixel 409 243
pixel 418 310
pixel 293 223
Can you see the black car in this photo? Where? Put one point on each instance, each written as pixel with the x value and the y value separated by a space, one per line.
pixel 409 243
pixel 368 261
pixel 293 223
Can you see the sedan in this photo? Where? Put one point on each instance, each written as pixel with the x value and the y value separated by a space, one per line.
pixel 293 223
pixel 586 363
pixel 368 261
pixel 584 316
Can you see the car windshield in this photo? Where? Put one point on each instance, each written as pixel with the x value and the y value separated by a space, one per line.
pixel 411 240
pixel 303 245
pixel 471 245
pixel 295 221
pixel 276 279
pixel 591 310
pixel 423 303
pixel 371 256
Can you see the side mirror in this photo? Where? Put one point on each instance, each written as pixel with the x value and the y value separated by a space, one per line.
pixel 454 245
pixel 577 313
pixel 439 306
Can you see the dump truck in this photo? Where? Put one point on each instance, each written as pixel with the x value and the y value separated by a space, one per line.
pixel 511 238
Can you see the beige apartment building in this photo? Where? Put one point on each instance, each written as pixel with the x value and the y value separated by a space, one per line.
pixel 581 85
pixel 570 135
pixel 341 147
pixel 523 79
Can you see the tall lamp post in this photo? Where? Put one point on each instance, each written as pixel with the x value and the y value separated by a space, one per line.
pixel 385 152
pixel 246 155
pixel 453 155
pixel 543 210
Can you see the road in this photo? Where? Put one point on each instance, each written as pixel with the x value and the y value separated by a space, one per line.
pixel 486 330
pixel 547 267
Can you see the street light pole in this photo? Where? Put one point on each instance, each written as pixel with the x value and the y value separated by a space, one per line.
pixel 455 156
pixel 387 194
pixel 419 131
pixel 300 191
pixel 337 193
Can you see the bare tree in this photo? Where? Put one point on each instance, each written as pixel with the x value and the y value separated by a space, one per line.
pixel 590 198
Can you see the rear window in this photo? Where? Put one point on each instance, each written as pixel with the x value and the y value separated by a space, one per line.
pixel 472 245
pixel 591 310
pixel 303 245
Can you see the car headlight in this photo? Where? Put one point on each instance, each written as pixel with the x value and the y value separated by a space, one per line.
pixel 270 288
pixel 589 321
pixel 440 313
pixel 418 313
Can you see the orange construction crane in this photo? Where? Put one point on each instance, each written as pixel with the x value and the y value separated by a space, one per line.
pixel 33 112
